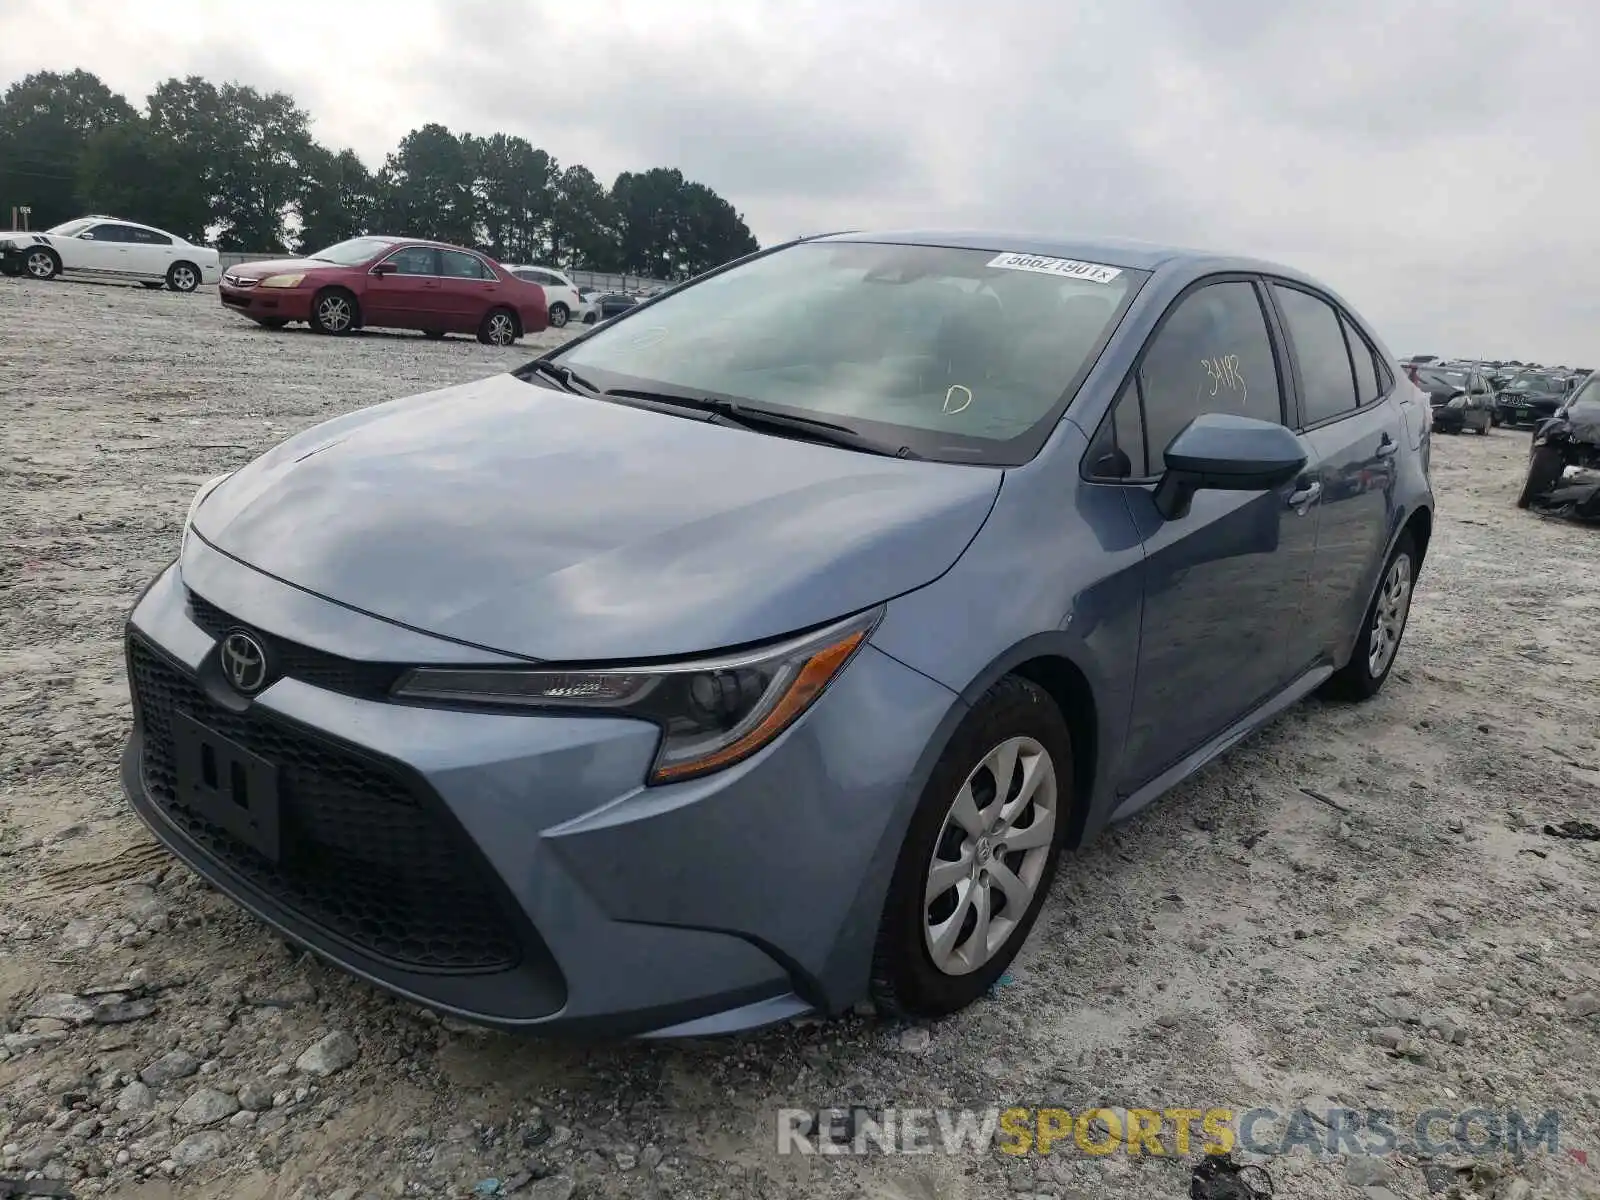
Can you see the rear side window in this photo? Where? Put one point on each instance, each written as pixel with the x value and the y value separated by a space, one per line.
pixel 1327 381
pixel 148 237
pixel 1368 386
pixel 1212 354
pixel 462 266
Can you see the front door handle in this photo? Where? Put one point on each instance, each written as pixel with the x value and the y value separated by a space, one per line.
pixel 1387 447
pixel 1301 498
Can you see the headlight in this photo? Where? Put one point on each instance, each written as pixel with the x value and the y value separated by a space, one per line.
pixel 205 490
pixel 282 281
pixel 1458 402
pixel 713 712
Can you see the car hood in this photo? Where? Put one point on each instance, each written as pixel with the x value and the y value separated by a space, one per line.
pixel 554 526
pixel 277 266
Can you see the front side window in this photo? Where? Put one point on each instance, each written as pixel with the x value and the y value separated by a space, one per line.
pixel 414 260
pixel 1119 450
pixel 456 265
pixel 1211 354
pixel 1327 380
pixel 70 228
pixel 946 350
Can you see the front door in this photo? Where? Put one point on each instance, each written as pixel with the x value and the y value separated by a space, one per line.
pixel 408 296
pixel 1225 584
pixel 100 249
pixel 1352 419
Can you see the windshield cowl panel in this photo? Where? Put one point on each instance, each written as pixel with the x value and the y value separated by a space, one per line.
pixel 959 355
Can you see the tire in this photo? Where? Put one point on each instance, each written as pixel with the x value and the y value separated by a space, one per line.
pixel 183 277
pixel 1363 676
pixel 558 315
pixel 10 268
pixel 334 312
pixel 1545 465
pixel 42 262
pixel 499 327
pixel 589 318
pixel 908 978
pixel 151 285
pixel 433 335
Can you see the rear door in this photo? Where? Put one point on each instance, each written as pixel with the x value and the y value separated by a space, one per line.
pixel 409 296
pixel 150 252
pixel 470 289
pixel 1349 413
pixel 1224 585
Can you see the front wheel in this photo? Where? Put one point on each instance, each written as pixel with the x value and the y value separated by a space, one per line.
pixel 1545 466
pixel 333 312
pixel 499 327
pixel 978 857
pixel 558 315
pixel 1375 649
pixel 42 263
pixel 183 277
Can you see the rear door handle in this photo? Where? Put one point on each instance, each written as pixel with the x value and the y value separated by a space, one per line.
pixel 1387 447
pixel 1301 498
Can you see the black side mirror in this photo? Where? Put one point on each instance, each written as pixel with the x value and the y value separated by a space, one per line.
pixel 1224 452
pixel 384 268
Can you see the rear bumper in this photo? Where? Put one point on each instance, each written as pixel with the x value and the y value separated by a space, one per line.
pixel 267 304
pixel 511 869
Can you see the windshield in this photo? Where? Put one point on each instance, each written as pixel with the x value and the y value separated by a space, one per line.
pixel 69 228
pixel 935 348
pixel 354 252
pixel 1535 383
pixel 1433 376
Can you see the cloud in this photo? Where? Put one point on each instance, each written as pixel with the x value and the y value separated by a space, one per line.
pixel 1433 169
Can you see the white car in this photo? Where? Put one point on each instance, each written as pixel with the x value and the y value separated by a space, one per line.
pixel 560 293
pixel 110 248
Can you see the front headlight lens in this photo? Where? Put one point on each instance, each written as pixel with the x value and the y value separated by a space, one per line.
pixel 712 712
pixel 204 490
pixel 282 281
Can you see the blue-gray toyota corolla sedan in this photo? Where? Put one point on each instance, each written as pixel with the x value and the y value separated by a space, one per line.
pixel 764 649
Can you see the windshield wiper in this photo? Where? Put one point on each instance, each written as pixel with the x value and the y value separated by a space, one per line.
pixel 565 376
pixel 750 417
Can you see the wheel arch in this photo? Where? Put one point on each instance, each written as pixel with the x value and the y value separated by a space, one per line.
pixel 1051 662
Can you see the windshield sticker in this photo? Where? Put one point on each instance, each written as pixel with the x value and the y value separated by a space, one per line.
pixel 1067 268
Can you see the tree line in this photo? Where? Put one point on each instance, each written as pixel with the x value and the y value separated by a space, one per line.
pixel 238 168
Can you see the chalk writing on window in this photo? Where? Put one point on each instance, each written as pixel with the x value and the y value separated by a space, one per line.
pixel 1223 374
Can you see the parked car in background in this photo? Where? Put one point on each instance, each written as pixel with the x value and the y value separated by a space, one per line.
pixel 612 303
pixel 1567 442
pixel 389 283
pixel 1460 398
pixel 560 293
pixel 588 305
pixel 110 248
pixel 660 687
pixel 1531 397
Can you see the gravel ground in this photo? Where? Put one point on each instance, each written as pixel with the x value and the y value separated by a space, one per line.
pixel 1407 937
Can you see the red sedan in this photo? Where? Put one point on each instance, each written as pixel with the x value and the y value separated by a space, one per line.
pixel 389 283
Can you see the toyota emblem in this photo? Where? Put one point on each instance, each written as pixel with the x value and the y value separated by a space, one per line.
pixel 244 662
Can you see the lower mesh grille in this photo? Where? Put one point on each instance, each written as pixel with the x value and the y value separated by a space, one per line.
pixel 363 858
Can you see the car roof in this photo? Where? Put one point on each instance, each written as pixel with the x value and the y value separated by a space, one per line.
pixel 124 221
pixel 1115 252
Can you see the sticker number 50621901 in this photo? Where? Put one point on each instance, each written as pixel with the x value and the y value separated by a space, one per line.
pixel 1066 268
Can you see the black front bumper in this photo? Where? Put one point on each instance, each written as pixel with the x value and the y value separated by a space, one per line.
pixel 1449 420
pixel 376 876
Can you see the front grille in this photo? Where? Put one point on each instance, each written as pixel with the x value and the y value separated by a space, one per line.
pixel 363 857
pixel 370 681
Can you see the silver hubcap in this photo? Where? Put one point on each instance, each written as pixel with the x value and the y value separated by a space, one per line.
pixel 558 317
pixel 990 856
pixel 1389 621
pixel 334 313
pixel 183 278
pixel 501 331
pixel 40 265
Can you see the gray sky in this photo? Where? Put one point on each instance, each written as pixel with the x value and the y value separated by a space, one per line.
pixel 1435 162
